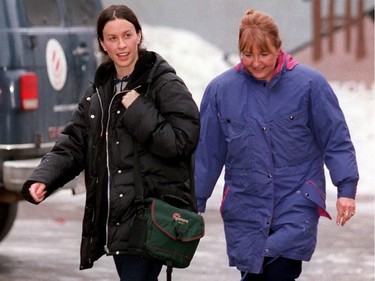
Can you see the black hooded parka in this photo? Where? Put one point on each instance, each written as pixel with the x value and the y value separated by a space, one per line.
pixel 100 138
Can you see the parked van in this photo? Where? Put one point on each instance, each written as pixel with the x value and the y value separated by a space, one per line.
pixel 47 59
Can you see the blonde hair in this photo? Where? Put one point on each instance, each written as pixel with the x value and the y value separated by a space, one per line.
pixel 258 29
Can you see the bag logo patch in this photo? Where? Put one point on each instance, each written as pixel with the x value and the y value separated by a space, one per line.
pixel 177 217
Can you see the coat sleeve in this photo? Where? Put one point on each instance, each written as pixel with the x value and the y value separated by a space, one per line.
pixel 66 159
pixel 332 134
pixel 168 125
pixel 211 151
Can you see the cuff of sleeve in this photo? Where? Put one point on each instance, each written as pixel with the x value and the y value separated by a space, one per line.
pixel 348 190
pixel 26 194
pixel 201 204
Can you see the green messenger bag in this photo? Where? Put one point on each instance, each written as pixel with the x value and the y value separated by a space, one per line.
pixel 166 233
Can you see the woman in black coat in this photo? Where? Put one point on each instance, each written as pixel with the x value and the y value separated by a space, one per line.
pixel 137 104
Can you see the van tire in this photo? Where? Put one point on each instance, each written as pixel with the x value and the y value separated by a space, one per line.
pixel 8 213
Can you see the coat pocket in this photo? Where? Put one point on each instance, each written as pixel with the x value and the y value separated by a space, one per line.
pixel 312 192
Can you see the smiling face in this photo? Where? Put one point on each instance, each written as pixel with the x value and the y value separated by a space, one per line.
pixel 260 63
pixel 120 42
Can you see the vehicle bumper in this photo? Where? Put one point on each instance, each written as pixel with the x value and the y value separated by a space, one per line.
pixel 16 172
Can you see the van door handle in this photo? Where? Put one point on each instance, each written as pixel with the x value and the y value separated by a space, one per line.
pixel 32 42
pixel 81 51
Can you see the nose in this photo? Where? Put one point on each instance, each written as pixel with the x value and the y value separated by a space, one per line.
pixel 256 61
pixel 122 43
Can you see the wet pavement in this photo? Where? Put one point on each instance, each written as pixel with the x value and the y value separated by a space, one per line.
pixel 44 245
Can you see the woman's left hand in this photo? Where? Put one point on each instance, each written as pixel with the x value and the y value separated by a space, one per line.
pixel 345 210
pixel 129 98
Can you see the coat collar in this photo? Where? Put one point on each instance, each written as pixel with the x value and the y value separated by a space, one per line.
pixel 140 74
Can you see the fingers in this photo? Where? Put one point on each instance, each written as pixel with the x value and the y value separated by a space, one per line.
pixel 129 98
pixel 345 210
pixel 343 217
pixel 37 191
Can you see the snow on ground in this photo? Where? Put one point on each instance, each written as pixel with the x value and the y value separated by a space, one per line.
pixel 197 62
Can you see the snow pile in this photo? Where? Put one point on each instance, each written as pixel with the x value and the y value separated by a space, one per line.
pixel 358 105
pixel 195 60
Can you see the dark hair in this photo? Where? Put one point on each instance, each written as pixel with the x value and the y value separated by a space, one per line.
pixel 116 12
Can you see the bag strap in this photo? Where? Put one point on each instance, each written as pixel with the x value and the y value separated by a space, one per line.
pixel 139 200
pixel 138 183
pixel 169 271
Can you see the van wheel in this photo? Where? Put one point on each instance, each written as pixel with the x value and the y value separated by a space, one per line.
pixel 8 213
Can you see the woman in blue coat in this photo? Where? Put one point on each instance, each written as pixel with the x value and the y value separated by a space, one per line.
pixel 272 123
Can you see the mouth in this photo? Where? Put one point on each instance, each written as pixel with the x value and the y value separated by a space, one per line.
pixel 258 69
pixel 123 55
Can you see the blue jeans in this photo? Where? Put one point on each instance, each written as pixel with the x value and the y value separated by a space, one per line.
pixel 276 269
pixel 135 268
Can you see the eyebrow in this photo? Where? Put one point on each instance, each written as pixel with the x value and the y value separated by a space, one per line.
pixel 115 34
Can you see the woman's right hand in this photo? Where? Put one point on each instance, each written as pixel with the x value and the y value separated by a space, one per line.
pixel 38 191
pixel 129 98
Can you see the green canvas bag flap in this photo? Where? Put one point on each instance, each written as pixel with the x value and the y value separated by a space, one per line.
pixel 178 224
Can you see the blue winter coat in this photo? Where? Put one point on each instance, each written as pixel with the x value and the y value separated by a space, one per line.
pixel 273 140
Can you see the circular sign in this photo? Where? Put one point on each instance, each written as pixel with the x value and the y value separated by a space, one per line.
pixel 57 67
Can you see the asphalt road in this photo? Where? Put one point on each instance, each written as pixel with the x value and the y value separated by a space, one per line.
pixel 44 245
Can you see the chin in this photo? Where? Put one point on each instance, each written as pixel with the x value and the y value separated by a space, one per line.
pixel 258 77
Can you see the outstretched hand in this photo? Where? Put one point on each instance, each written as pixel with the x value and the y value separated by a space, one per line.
pixel 38 191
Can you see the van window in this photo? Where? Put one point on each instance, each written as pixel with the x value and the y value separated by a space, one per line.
pixel 81 12
pixel 42 12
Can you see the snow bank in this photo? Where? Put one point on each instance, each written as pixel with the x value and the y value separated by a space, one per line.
pixel 195 60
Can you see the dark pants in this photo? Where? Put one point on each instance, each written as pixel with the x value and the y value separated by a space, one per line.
pixel 276 269
pixel 135 268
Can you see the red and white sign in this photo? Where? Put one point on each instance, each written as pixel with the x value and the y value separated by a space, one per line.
pixel 57 67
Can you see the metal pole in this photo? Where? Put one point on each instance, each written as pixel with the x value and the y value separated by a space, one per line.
pixel 317 48
pixel 348 24
pixel 361 50
pixel 331 25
